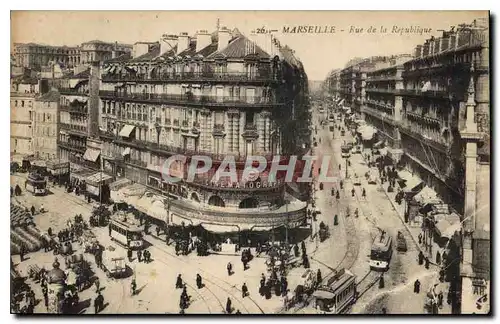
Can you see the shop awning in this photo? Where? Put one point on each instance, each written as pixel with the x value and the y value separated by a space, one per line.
pixel 220 228
pixel 99 178
pixel 447 229
pixel 425 195
pixel 158 211
pixel 379 144
pixel 126 151
pixel 126 130
pixel 383 151
pixel 323 294
pixel 409 180
pixel 91 154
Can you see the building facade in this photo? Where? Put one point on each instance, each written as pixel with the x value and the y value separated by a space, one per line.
pixel 73 116
pixel 36 56
pixel 433 112
pixel 22 107
pixel 101 51
pixel 46 126
pixel 217 95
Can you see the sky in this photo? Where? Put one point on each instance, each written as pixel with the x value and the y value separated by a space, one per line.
pixel 320 53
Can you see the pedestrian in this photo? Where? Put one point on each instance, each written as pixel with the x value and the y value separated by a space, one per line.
pixel 139 255
pixel 184 295
pixel 129 255
pixel 341 184
pixel 229 308
pixel 284 285
pixel 199 283
pixel 340 167
pixel 229 268
pixel 420 238
pixel 416 287
pixel 158 231
pixel 97 285
pixel 100 302
pixel 353 192
pixel 319 278
pixel 420 258
pixel 133 287
pixel 21 252
pixel 363 193
pixel 427 262
pixel 238 312
pixel 438 257
pixel 384 310
pixel 333 192
pixel 178 282
pixel 296 250
pixel 381 283
pixel 303 246
pixel 440 299
pixel 147 258
pixel 244 290
pixel 305 261
pixel 335 220
pixel 32 210
pixel 11 191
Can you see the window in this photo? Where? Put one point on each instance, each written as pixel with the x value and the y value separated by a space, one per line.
pixel 15 103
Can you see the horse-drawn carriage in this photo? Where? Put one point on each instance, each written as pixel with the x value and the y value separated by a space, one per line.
pixel 401 245
pixel 324 231
pixel 88 241
pixel 79 273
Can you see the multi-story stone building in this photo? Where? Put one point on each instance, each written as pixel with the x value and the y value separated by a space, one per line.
pixel 22 99
pixel 73 116
pixel 217 95
pixel 97 50
pixel 434 108
pixel 46 126
pixel 35 56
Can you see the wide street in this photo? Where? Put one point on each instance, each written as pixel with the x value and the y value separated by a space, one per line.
pixel 347 247
pixel 350 243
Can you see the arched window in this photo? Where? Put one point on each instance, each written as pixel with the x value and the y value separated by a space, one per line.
pixel 194 196
pixel 216 201
pixel 249 202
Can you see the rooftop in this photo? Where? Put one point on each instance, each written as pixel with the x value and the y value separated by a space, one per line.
pixel 51 96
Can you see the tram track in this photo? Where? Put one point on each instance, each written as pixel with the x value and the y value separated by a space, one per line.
pixel 208 278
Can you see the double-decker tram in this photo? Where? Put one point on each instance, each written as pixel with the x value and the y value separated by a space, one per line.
pixel 36 184
pixel 381 252
pixel 127 233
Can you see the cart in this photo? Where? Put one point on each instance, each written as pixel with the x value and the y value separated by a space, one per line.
pixel 401 243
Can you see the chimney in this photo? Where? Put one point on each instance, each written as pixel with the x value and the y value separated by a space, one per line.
pixel 183 42
pixel 203 39
pixel 140 49
pixel 167 43
pixel 224 38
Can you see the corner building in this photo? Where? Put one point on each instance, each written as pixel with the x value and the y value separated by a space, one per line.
pixel 218 94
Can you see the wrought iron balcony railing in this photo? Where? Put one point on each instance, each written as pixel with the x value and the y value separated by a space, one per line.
pixel 189 99
pixel 194 76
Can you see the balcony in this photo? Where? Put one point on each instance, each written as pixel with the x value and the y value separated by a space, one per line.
pixel 75 129
pixel 250 130
pixel 385 117
pixel 384 78
pixel 80 148
pixel 185 125
pixel 82 110
pixel 410 129
pixel 440 94
pixel 190 100
pixel 218 129
pixel 265 76
pixel 382 90
pixel 71 91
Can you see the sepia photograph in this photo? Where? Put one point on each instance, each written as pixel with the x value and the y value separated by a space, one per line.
pixel 250 163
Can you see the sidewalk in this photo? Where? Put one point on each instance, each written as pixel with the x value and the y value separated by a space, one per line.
pixel 414 231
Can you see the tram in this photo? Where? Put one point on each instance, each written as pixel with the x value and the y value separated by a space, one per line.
pixel 381 252
pixel 338 294
pixel 36 184
pixel 126 233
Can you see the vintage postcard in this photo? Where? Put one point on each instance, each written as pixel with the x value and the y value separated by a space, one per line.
pixel 250 162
